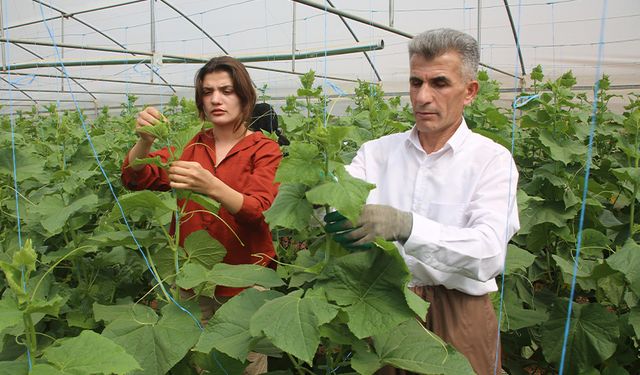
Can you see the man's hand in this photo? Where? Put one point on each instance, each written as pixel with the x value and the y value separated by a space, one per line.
pixel 375 221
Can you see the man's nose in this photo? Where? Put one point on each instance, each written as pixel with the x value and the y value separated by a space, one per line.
pixel 425 94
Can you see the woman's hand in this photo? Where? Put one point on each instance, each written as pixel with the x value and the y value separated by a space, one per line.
pixel 190 175
pixel 148 116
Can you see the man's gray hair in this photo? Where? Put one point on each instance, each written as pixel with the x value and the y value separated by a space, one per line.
pixel 433 43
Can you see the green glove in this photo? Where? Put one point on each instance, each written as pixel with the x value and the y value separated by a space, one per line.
pixel 375 221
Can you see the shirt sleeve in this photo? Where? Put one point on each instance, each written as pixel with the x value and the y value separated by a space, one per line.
pixel 357 167
pixel 261 188
pixel 149 177
pixel 477 249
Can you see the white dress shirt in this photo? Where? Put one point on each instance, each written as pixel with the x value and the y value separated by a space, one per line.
pixel 463 201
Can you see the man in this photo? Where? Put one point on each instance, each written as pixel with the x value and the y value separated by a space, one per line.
pixel 446 195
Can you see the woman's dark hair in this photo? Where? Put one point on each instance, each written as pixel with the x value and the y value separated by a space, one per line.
pixel 241 85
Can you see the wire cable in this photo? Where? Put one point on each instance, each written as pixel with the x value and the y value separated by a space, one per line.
pixel 583 208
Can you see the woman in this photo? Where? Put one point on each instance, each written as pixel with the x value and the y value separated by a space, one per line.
pixel 229 163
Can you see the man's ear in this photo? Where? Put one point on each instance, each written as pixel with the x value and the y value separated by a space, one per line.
pixel 471 88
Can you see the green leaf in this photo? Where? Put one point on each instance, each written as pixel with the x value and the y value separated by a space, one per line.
pixel 627 261
pixel 180 139
pixel 145 201
pixel 561 149
pixel 10 315
pixel 516 317
pixel 594 242
pixel 346 194
pixel 244 275
pixel 159 130
pixel 517 260
pixel 303 165
pixel 370 287
pixel 593 335
pixel 16 368
pixel 634 320
pixel 191 275
pixel 291 323
pixel 22 264
pixel 228 330
pixel 156 160
pixel 157 344
pixel 90 353
pixel 290 209
pixel 207 203
pixel 411 347
pixel 52 212
pixel 567 266
pixel 203 249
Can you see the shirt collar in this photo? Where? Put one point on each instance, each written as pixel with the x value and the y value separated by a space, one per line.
pixel 454 143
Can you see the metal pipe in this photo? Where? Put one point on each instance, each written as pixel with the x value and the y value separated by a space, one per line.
pixel 74 14
pixel 94 92
pixel 478 33
pixel 99 79
pixel 195 60
pixel 19 89
pixel 293 38
pixel 4 56
pixel 391 12
pixel 357 40
pixel 196 25
pixel 355 18
pixel 153 35
pixel 515 37
pixel 62 50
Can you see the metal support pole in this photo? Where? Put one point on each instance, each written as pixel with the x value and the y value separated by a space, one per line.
pixel 293 39
pixel 153 34
pixel 4 56
pixel 62 49
pixel 391 12
pixel 478 33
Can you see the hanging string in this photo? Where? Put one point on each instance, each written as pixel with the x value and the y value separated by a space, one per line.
pixel 16 192
pixel 509 206
pixel 104 173
pixel 594 110
pixel 324 79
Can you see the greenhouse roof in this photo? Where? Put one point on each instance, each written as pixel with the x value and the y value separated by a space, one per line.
pixel 93 53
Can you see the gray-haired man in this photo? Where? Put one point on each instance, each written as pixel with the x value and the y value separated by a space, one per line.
pixel 446 195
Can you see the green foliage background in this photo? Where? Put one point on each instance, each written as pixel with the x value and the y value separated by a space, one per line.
pixel 80 285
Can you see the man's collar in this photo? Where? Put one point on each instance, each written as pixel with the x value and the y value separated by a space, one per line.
pixel 455 142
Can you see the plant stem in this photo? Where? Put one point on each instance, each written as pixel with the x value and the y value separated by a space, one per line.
pixel 30 333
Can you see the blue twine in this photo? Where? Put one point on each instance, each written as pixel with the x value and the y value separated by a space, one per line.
pixel 336 88
pixel 513 147
pixel 521 101
pixel 104 173
pixel 18 81
pixel 594 109
pixel 12 122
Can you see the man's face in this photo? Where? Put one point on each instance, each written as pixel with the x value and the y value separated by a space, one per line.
pixel 438 95
pixel 222 105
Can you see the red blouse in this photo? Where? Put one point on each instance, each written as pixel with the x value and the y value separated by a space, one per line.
pixel 249 168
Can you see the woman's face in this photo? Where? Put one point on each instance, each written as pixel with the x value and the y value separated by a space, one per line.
pixel 222 106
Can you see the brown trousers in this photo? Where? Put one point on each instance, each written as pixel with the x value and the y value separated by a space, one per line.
pixel 466 322
pixel 208 306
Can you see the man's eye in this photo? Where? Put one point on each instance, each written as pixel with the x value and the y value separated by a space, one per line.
pixel 415 82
